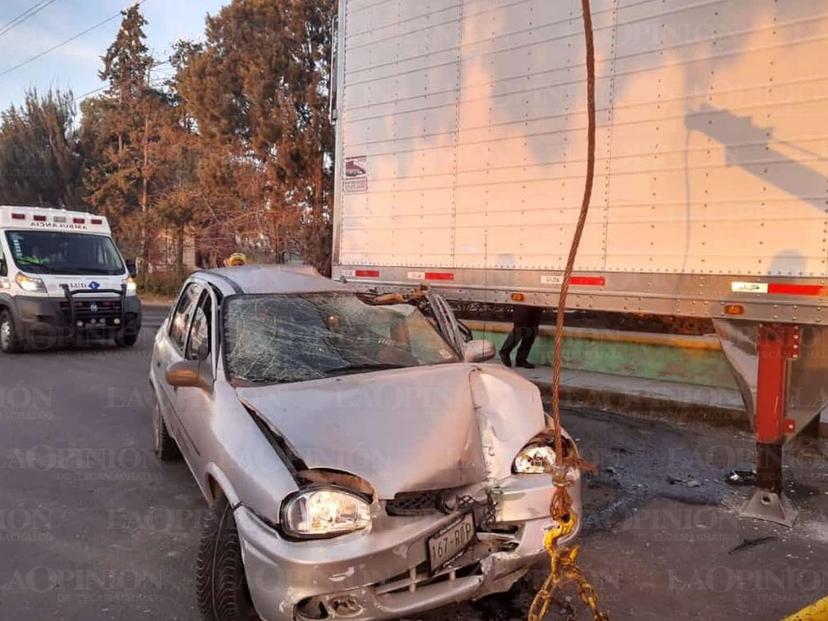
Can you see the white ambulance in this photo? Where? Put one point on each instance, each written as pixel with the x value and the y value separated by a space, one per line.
pixel 62 279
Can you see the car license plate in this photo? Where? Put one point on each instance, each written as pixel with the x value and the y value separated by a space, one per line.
pixel 449 543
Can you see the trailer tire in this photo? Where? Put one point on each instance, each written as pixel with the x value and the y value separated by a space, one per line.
pixel 164 445
pixel 223 594
pixel 10 343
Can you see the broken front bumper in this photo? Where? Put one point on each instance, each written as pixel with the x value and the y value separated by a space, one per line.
pixel 384 573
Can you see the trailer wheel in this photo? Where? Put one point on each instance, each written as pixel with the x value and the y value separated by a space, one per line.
pixel 126 337
pixel 223 594
pixel 164 445
pixel 10 343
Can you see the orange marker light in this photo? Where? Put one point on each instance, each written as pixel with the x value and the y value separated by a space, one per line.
pixel 518 297
pixel 734 310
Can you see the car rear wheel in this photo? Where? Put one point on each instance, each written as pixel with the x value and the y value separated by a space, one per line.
pixel 223 594
pixel 10 343
pixel 164 445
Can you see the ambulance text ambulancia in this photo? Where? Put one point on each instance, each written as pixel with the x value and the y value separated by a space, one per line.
pixel 62 278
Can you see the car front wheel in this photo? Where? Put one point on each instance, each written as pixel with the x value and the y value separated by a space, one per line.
pixel 126 337
pixel 9 341
pixel 223 594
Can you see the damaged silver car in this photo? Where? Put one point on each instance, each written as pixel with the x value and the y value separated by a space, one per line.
pixel 360 460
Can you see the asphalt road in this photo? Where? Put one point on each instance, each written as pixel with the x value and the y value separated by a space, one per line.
pixel 92 526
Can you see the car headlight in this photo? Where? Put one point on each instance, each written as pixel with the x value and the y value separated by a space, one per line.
pixel 131 286
pixel 536 459
pixel 325 513
pixel 30 283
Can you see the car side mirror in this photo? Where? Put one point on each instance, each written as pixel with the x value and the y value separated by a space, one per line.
pixel 190 374
pixel 132 270
pixel 479 350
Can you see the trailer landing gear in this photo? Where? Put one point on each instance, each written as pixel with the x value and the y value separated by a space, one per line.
pixel 777 346
pixel 780 369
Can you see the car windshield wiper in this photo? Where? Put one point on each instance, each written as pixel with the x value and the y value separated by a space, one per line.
pixel 362 368
pixel 90 271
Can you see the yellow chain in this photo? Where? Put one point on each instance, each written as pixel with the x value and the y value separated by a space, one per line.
pixel 563 568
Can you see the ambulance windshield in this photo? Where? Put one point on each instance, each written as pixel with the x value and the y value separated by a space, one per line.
pixel 48 252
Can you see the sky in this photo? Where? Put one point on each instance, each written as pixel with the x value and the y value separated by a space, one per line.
pixel 76 64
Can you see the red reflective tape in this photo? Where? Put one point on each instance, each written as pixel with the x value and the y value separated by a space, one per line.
pixel 78 221
pixel 39 218
pixel 18 216
pixel 439 276
pixel 588 281
pixel 366 274
pixel 779 288
pixel 96 221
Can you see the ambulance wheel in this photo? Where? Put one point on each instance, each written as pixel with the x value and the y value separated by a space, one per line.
pixel 126 338
pixel 9 341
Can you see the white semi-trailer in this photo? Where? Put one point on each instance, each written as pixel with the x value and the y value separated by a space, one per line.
pixel 461 152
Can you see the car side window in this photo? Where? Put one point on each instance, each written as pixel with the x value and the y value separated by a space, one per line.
pixel 199 343
pixel 4 268
pixel 183 314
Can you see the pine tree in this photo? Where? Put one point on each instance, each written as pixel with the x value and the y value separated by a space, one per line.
pixel 257 89
pixel 40 158
pixel 126 129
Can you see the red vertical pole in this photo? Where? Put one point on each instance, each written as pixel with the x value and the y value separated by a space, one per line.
pixel 776 346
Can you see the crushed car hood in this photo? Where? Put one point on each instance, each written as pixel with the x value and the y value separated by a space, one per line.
pixel 405 430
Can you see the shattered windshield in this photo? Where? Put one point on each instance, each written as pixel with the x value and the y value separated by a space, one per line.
pixel 285 338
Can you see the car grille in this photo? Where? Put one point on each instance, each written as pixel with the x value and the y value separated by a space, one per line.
pixel 414 503
pixel 87 309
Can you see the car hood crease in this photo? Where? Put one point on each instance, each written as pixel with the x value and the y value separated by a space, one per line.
pixel 406 430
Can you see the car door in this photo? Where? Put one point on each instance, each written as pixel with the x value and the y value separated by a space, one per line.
pixel 4 270
pixel 194 406
pixel 169 349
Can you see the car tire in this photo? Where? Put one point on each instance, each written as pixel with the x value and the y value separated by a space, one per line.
pixel 10 343
pixel 164 445
pixel 126 338
pixel 223 594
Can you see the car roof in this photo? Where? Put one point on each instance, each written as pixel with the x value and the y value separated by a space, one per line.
pixel 259 279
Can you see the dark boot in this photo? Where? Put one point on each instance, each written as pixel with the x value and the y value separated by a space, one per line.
pixel 505 359
pixel 525 364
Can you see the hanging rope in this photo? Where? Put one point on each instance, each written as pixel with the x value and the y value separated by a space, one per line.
pixel 563 562
pixel 579 231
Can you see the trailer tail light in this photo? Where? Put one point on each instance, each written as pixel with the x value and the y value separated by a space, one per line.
pixel 779 288
pixel 39 218
pixel 588 281
pixel 18 216
pixel 366 274
pixel 734 310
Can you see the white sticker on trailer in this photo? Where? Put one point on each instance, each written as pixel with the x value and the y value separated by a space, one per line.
pixel 749 287
pixel 416 276
pixel 551 280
